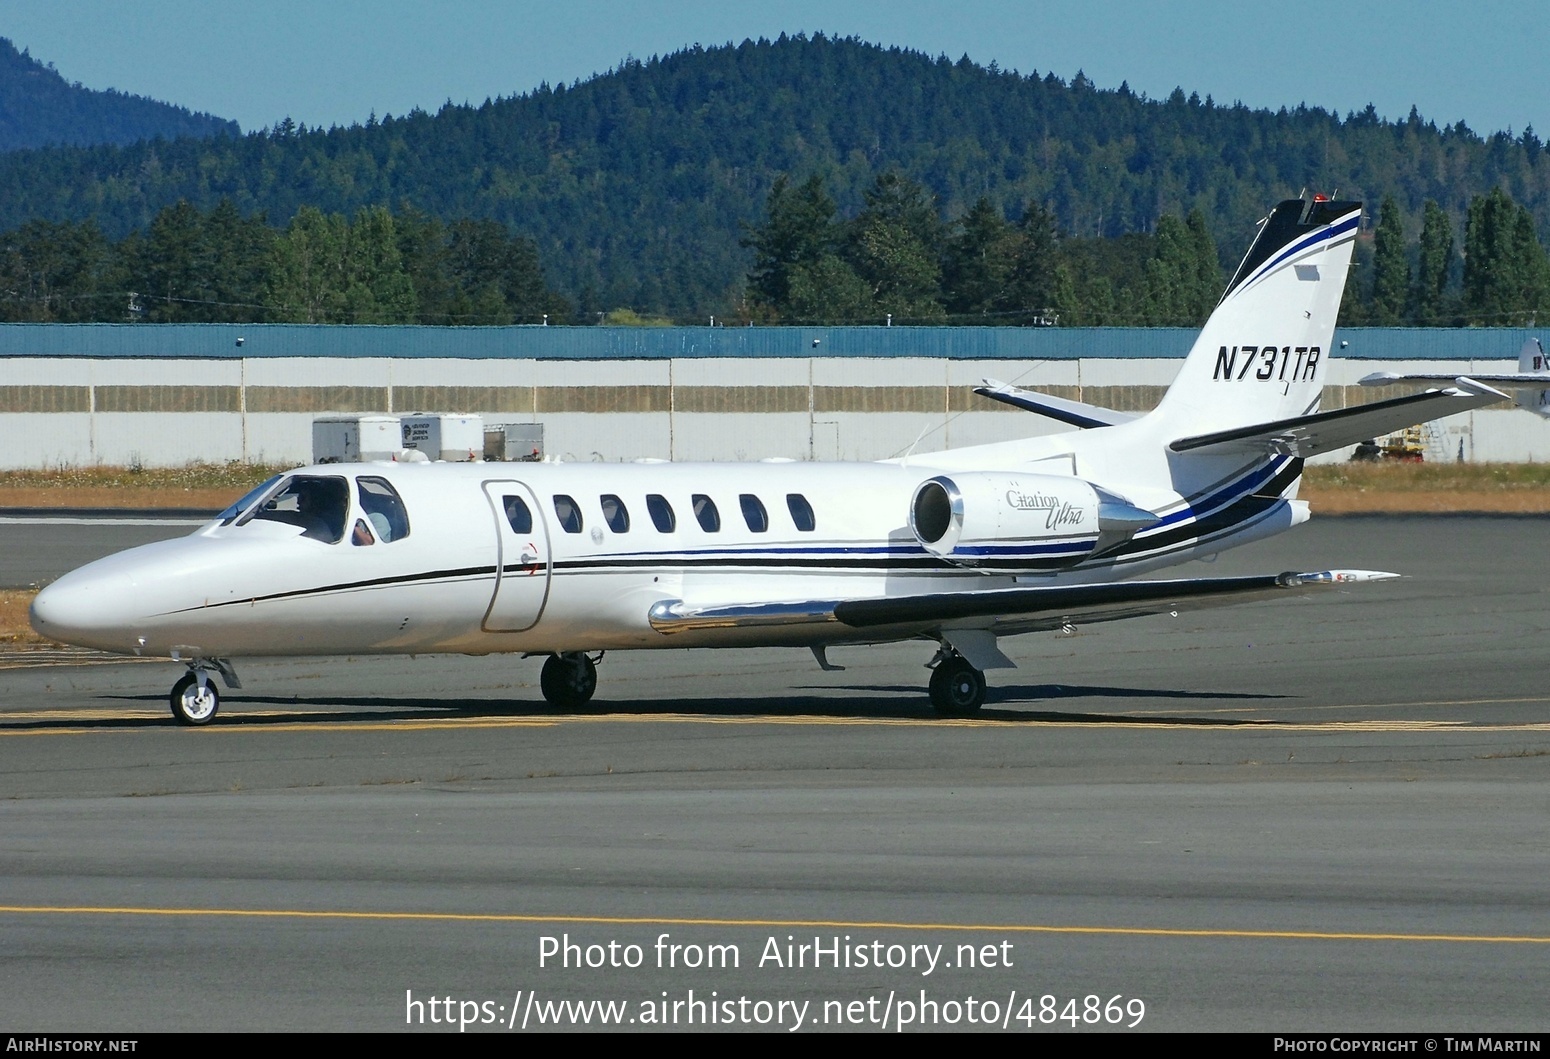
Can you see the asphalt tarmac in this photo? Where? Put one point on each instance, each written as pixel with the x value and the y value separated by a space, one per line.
pixel 1322 814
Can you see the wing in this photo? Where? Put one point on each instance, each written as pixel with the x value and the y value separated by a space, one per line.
pixel 1005 611
pixel 1074 412
pixel 1310 435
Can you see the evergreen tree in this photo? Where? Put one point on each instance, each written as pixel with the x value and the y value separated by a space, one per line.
pixel 1390 267
pixel 1030 291
pixel 174 266
pixel 799 230
pixel 377 289
pixel 1506 274
pixel 1434 266
pixel 1183 278
pixel 977 265
pixel 895 246
pixel 1208 267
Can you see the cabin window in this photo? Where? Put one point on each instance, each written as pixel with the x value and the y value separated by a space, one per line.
pixel 320 506
pixel 753 513
pixel 568 512
pixel 801 512
pixel 661 513
pixel 518 515
pixel 705 512
pixel 615 513
pixel 384 509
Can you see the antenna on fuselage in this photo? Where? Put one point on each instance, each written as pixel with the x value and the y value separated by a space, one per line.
pixel 918 439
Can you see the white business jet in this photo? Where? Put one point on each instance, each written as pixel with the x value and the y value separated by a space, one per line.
pixel 956 548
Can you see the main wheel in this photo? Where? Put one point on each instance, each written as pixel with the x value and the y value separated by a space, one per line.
pixel 568 680
pixel 957 688
pixel 192 704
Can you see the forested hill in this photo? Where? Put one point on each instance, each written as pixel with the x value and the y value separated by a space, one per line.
pixel 39 107
pixel 637 184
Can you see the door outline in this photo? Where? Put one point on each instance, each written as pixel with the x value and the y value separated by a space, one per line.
pixel 511 606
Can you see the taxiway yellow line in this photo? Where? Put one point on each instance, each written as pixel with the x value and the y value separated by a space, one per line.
pixel 1435 727
pixel 765 924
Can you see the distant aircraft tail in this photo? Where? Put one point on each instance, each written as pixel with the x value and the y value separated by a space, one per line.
pixel 1531 358
pixel 1262 356
pixel 1533 362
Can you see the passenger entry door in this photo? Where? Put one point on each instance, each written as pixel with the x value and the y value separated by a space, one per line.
pixel 523 561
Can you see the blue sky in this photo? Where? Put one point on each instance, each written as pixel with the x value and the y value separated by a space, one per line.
pixel 335 62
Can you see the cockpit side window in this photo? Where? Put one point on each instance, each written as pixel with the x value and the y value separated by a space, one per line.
pixel 317 504
pixel 384 509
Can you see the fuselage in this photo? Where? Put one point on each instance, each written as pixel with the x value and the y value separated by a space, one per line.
pixel 595 547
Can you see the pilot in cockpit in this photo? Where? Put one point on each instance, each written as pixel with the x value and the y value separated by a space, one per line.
pixel 321 505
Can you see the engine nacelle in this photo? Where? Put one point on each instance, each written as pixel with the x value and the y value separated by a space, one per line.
pixel 1020 523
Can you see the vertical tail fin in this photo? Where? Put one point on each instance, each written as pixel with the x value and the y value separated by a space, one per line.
pixel 1263 354
pixel 1532 357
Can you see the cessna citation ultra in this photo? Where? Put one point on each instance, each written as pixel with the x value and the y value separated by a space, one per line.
pixel 957 548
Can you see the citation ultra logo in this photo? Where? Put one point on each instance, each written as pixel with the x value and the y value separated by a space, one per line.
pixel 1057 512
pixel 1273 362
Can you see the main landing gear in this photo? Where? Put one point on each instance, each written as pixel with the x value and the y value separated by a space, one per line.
pixel 957 688
pixel 569 679
pixel 194 699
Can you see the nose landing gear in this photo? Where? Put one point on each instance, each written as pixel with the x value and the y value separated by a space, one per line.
pixel 194 699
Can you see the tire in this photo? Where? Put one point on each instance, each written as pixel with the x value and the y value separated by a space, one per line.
pixel 190 704
pixel 568 681
pixel 957 688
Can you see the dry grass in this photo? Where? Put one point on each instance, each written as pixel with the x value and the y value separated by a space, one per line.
pixel 202 485
pixel 13 617
pixel 1417 488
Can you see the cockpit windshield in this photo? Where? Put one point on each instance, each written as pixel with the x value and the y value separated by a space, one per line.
pixel 317 504
pixel 247 500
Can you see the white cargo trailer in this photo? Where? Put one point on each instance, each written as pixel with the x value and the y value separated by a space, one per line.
pixel 355 438
pixel 444 435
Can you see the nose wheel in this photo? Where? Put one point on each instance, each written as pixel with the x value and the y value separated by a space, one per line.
pixel 957 688
pixel 568 680
pixel 194 699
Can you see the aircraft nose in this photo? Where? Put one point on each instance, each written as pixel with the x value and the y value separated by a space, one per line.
pixel 89 611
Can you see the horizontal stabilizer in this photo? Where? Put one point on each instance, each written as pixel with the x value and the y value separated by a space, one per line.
pixel 1309 435
pixel 1074 412
pixel 1008 610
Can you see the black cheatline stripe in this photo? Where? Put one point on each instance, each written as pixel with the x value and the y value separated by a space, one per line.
pixel 345 586
pixel 731 563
